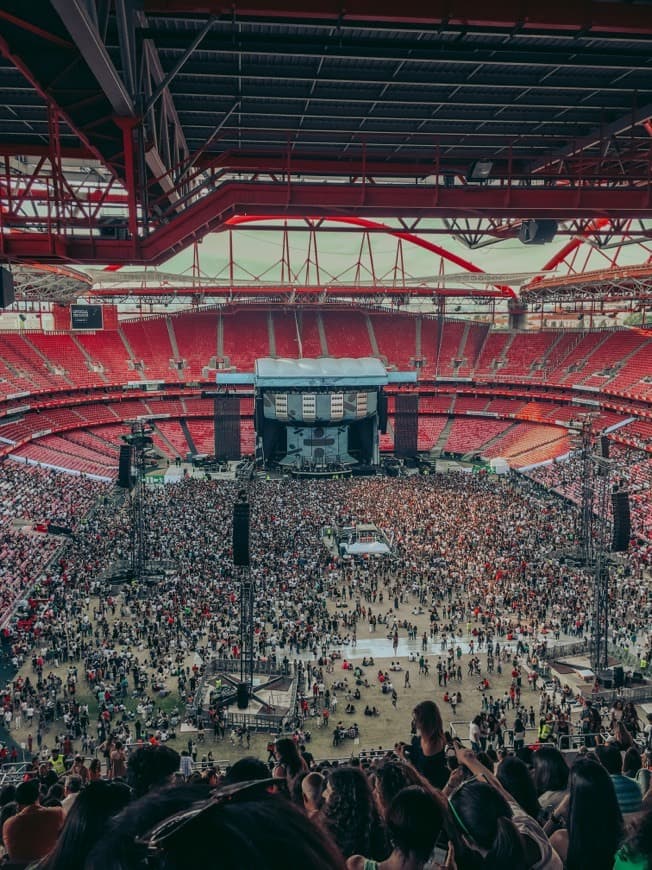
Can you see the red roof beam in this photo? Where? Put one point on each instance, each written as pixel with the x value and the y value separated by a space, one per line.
pixel 557 15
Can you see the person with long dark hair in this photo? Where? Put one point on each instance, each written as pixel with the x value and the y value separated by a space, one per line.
pixel 594 824
pixel 515 778
pixel 86 823
pixel 497 832
pixel 289 762
pixel 551 774
pixel 416 820
pixel 427 752
pixel 350 815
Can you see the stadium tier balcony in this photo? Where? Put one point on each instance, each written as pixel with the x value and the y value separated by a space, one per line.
pixel 245 338
pixel 471 348
pixel 526 353
pixel 53 458
pixel 504 406
pixel 97 413
pixel 149 341
pixel 526 444
pixel 202 433
pixel 435 404
pixel 107 349
pixel 91 441
pixel 173 440
pixel 469 434
pixel 311 347
pixel 466 404
pixel 450 349
pixel 347 334
pixel 199 407
pixel 285 335
pixel 196 337
pixel 489 361
pixel 430 428
pixel 579 351
pixel 172 407
pixel 78 451
pixel 66 357
pixel 396 338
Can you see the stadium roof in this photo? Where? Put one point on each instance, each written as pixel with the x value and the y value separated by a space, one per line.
pixel 132 132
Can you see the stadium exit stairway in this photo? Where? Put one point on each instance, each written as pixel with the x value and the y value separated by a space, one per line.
pixel 186 432
pixel 443 437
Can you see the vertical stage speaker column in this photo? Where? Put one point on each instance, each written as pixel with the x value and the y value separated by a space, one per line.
pixel 7 292
pixel 227 427
pixel 622 523
pixel 124 466
pixel 406 424
pixel 241 534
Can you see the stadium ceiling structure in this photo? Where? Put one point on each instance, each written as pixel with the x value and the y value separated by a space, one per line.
pixel 129 130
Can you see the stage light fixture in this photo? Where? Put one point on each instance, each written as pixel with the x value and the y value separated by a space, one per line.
pixel 480 170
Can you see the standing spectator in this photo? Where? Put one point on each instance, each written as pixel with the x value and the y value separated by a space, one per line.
pixel 33 831
pixel 593 823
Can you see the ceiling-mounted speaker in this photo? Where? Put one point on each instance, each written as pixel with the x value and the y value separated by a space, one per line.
pixel 537 232
pixel 7 293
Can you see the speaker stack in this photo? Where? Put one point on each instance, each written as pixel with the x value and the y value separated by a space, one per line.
pixel 242 696
pixel 241 534
pixel 124 466
pixel 7 293
pixel 622 524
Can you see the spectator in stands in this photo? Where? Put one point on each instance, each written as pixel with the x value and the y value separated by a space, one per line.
pixel 515 778
pixel 73 788
pixel 416 822
pixel 350 815
pixel 246 769
pixel 86 822
pixel 33 831
pixel 592 821
pixel 245 824
pixel 150 767
pixel 550 778
pixel 636 851
pixel 289 762
pixel 496 831
pixel 389 778
pixel 312 793
pixel 628 794
pixel 428 750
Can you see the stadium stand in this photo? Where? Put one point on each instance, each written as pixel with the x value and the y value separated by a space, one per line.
pixel 471 433
pixel 196 337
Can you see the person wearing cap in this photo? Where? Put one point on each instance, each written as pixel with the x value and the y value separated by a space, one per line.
pixel 33 831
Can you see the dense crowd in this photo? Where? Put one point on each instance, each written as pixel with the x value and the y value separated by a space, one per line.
pixel 482 561
pixel 428 803
pixel 631 470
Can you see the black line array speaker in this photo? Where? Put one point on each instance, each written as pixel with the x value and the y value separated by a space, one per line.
pixel 382 412
pixel 619 676
pixel 241 534
pixel 227 427
pixel 604 446
pixel 406 424
pixel 7 293
pixel 537 232
pixel 622 523
pixel 124 466
pixel 242 696
pixel 259 416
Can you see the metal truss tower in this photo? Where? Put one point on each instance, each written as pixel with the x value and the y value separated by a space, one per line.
pixel 594 529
